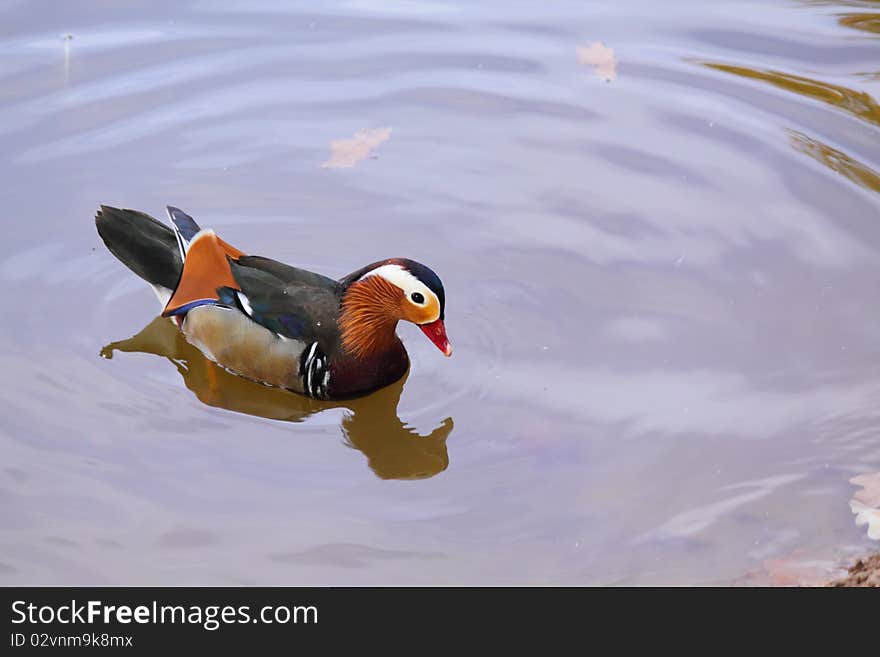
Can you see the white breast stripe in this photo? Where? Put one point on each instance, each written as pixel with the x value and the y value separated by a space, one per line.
pixel 308 368
pixel 315 372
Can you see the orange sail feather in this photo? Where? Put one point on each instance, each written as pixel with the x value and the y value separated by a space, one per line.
pixel 205 270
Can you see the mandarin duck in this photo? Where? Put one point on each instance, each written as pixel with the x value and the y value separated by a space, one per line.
pixel 274 323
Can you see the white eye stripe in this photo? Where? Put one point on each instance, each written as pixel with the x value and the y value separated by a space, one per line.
pixel 397 275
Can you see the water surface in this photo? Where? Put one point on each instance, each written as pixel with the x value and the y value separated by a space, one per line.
pixel 658 229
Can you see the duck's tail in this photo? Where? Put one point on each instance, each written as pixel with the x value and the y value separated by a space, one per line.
pixel 148 247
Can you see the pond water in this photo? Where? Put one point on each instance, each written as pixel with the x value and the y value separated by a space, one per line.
pixel 659 233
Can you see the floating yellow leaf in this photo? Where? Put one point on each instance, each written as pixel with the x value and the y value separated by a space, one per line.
pixel 348 152
pixel 601 58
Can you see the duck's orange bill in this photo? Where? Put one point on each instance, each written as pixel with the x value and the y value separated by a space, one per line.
pixel 205 269
pixel 436 333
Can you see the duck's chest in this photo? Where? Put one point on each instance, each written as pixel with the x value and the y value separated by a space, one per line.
pixel 352 377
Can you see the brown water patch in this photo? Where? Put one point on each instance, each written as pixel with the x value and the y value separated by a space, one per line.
pixel 858 103
pixel 863 22
pixel 838 161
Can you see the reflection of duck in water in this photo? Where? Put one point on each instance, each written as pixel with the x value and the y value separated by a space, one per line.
pixel 274 323
pixel 394 450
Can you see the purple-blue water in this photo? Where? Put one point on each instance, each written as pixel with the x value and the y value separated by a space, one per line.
pixel 662 263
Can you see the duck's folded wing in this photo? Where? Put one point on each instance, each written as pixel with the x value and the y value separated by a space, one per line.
pixel 291 302
pixel 285 273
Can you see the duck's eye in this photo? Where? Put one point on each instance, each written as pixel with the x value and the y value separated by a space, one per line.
pixel 417 297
